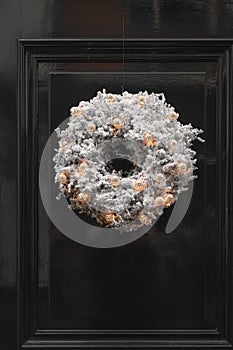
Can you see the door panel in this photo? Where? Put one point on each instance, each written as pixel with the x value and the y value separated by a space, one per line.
pixel 161 287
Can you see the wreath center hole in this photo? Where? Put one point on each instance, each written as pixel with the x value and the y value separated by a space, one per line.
pixel 123 166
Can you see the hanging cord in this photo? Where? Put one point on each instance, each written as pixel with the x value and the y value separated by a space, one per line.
pixel 123 46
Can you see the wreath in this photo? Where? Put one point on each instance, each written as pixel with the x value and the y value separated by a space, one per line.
pixel 124 158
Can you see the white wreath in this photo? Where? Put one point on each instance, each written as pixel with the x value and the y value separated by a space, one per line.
pixel 141 128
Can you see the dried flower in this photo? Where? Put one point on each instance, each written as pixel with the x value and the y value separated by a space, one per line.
pixel 159 201
pixel 110 217
pixel 139 185
pixel 76 111
pixel 63 176
pixel 91 128
pixel 172 116
pixel 110 98
pixel 168 199
pixel 149 140
pixel 144 219
pixel 158 178
pixel 82 167
pixel 181 168
pixel 115 181
pixel 82 198
pixel 172 145
pixel 141 101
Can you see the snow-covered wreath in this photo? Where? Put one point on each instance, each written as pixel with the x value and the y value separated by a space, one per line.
pixel 124 158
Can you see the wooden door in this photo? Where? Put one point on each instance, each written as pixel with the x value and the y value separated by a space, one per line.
pixel 162 290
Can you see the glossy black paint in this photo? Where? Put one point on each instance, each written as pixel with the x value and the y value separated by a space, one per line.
pixel 156 265
pixel 143 19
pixel 162 288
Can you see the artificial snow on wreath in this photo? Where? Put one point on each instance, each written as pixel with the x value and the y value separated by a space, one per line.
pixel 124 158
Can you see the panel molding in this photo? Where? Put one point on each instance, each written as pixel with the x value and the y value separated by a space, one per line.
pixel 30 53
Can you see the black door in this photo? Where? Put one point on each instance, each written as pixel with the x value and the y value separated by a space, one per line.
pixel 162 290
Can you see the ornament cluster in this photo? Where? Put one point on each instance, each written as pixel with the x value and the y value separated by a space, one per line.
pixel 159 147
